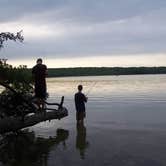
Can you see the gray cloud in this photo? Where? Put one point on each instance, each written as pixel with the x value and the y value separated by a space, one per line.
pixel 89 27
pixel 80 10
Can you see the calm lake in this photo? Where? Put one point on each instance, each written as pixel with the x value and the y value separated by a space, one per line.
pixel 125 125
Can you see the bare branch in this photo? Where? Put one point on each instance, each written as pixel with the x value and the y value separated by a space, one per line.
pixel 5 36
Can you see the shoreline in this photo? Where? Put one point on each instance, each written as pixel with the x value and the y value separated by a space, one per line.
pixel 104 71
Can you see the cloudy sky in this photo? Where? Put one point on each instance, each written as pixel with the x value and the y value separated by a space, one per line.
pixel 71 33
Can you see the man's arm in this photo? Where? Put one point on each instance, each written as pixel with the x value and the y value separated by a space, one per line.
pixel 46 71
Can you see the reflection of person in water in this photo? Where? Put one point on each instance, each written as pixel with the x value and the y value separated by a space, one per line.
pixel 81 142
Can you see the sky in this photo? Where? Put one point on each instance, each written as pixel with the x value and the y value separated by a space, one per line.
pixel 79 33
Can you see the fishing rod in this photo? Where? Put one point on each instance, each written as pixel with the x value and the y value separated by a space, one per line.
pixel 91 87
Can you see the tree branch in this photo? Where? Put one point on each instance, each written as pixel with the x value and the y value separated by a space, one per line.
pixel 5 36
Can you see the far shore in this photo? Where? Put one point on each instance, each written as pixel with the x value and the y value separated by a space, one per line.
pixel 100 71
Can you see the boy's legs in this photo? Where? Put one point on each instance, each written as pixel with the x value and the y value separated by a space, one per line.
pixel 80 117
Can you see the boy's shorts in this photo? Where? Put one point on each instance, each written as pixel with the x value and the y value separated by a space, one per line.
pixel 80 115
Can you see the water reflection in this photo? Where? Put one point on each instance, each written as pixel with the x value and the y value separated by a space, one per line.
pixel 81 143
pixel 24 148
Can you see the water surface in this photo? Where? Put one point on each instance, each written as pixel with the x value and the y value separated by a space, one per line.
pixel 125 125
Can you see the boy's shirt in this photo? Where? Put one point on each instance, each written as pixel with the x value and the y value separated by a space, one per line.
pixel 80 100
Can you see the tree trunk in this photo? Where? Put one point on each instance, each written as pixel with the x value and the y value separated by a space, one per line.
pixel 8 124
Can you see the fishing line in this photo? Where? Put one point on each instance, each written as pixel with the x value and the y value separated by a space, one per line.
pixel 91 87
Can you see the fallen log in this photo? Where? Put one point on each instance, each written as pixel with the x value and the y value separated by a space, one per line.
pixel 12 123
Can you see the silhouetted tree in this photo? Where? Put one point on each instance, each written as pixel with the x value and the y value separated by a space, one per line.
pixel 5 36
pixel 17 78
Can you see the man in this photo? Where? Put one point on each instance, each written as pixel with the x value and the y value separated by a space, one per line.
pixel 39 72
pixel 80 100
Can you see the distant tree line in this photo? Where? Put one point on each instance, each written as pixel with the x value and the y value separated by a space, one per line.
pixel 97 71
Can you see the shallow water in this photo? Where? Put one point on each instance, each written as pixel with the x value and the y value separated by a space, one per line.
pixel 125 125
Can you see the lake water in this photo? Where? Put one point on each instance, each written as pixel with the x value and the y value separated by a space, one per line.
pixel 125 125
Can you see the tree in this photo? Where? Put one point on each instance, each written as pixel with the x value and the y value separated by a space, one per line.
pixel 5 36
pixel 20 77
pixel 16 80
pixel 17 99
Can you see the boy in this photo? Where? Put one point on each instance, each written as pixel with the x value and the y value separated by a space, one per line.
pixel 80 100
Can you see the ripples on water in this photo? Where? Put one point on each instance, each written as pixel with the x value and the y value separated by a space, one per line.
pixel 125 123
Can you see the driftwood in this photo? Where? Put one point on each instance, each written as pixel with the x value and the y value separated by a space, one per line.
pixel 31 115
pixel 8 124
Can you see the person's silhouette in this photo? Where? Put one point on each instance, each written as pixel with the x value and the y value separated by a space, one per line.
pixel 80 100
pixel 81 142
pixel 39 72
